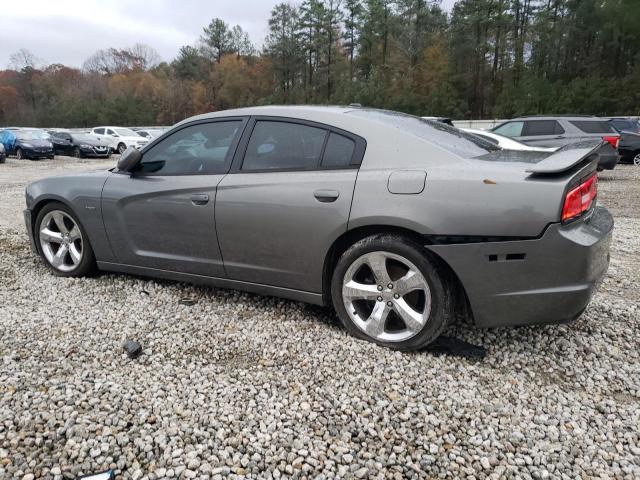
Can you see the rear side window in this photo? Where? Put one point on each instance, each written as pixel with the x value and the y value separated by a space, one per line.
pixel 533 128
pixel 99 131
pixel 278 145
pixel 511 129
pixel 339 151
pixel 593 126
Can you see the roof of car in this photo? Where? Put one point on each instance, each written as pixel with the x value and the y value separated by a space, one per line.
pixel 555 117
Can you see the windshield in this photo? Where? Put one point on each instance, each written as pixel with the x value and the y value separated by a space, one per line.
pixel 125 132
pixel 449 138
pixel 32 135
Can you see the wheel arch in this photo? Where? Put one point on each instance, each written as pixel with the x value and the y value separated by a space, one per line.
pixel 348 238
pixel 42 202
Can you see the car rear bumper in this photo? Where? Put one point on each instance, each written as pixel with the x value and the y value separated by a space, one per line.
pixel 546 280
pixel 609 158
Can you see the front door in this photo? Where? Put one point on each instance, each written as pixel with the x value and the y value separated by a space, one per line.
pixel 285 201
pixel 162 216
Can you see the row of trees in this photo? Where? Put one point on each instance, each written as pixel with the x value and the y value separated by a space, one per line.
pixel 484 58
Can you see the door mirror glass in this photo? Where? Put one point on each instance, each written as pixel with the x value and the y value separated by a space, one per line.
pixel 129 159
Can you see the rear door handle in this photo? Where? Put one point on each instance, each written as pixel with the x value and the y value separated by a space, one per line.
pixel 199 198
pixel 559 137
pixel 326 196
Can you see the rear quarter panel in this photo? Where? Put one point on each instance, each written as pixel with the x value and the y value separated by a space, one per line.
pixel 461 197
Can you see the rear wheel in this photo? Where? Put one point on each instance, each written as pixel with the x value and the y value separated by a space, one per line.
pixel 19 154
pixel 636 160
pixel 387 290
pixel 62 242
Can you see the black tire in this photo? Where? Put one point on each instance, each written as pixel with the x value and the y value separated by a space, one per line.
pixel 441 289
pixel 19 154
pixel 87 265
pixel 50 157
pixel 121 148
pixel 3 159
pixel 77 153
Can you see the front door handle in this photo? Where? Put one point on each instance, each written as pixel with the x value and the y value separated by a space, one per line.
pixel 326 196
pixel 199 198
pixel 559 137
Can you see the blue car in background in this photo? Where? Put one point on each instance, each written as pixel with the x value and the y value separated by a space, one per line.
pixel 31 143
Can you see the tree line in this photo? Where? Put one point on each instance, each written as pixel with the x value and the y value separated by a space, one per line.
pixel 482 59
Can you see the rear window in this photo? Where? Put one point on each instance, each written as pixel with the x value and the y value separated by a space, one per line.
pixel 449 138
pixel 593 126
pixel 533 128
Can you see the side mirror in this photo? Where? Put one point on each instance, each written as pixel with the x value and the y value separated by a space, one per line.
pixel 114 135
pixel 129 159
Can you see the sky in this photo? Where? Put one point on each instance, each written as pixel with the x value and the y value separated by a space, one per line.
pixel 69 31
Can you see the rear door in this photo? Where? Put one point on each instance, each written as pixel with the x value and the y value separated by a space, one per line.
pixel 286 199
pixel 163 215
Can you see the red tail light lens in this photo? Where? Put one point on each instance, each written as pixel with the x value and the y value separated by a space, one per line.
pixel 612 139
pixel 579 200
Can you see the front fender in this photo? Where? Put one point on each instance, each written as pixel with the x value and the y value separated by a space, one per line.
pixel 80 193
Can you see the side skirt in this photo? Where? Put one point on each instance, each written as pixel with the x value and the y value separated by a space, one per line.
pixel 298 295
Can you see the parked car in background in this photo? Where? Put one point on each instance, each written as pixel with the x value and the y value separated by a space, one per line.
pixel 150 133
pixel 3 154
pixel 506 142
pixel 557 131
pixel 31 143
pixel 401 224
pixel 622 124
pixel 629 144
pixel 119 138
pixel 79 145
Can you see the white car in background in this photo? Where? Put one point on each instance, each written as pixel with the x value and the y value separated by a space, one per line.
pixel 151 133
pixel 506 142
pixel 119 138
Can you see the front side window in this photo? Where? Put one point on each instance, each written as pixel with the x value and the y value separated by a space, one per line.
pixel 276 145
pixel 511 129
pixel 198 149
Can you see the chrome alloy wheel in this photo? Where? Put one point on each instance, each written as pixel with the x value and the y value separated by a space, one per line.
pixel 636 160
pixel 61 240
pixel 386 296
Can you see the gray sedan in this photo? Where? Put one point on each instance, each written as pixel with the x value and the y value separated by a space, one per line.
pixel 401 224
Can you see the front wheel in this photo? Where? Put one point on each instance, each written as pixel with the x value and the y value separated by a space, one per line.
pixel 19 154
pixel 636 160
pixel 77 153
pixel 62 242
pixel 121 148
pixel 387 290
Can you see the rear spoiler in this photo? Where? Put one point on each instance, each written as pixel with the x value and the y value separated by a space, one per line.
pixel 568 157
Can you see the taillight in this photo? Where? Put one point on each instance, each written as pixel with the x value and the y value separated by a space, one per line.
pixel 612 139
pixel 579 200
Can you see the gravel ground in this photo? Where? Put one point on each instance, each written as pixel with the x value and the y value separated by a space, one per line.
pixel 239 385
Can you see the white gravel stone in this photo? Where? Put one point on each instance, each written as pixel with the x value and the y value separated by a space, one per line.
pixel 243 386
